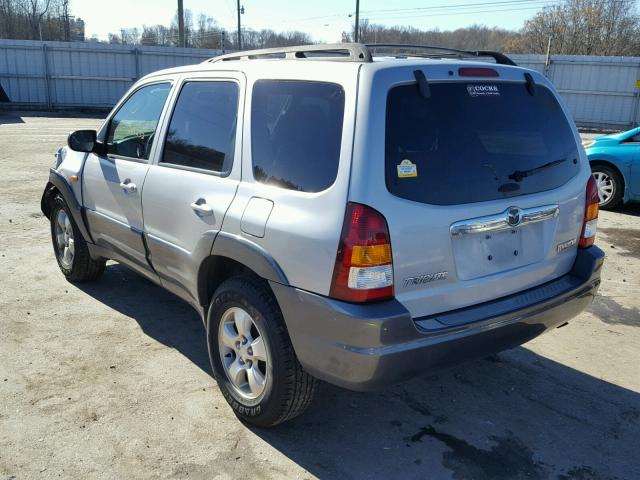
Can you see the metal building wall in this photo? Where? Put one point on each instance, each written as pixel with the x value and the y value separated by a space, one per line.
pixel 600 91
pixel 64 75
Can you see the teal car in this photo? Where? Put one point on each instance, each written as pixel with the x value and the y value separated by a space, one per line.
pixel 615 163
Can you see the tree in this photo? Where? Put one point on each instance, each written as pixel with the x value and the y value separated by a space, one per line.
pixel 475 37
pixel 582 27
pixel 37 10
pixel 38 19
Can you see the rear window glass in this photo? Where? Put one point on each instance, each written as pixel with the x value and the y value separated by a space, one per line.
pixel 471 142
pixel 296 131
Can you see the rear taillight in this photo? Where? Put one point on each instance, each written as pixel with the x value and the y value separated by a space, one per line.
pixel 363 271
pixel 590 221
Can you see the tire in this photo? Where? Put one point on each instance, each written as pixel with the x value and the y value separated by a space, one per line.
pixel 286 390
pixel 609 182
pixel 77 266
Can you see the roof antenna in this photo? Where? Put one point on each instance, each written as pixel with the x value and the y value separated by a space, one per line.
pixel 423 85
pixel 531 84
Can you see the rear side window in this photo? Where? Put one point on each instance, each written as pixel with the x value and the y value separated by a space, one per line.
pixel 470 143
pixel 202 130
pixel 296 131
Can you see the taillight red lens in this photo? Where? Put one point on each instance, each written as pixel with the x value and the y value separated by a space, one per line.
pixel 591 209
pixel 477 72
pixel 363 270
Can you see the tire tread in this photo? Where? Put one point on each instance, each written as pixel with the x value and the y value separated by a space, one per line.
pixel 299 385
pixel 84 268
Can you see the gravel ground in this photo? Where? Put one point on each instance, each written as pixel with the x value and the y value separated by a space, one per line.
pixel 111 380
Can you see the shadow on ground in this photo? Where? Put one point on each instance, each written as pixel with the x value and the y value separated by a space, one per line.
pixel 629 209
pixel 515 415
pixel 9 118
pixel 18 116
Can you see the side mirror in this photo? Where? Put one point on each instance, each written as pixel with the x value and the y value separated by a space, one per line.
pixel 82 140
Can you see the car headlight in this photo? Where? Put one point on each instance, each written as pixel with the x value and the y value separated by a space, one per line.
pixel 588 143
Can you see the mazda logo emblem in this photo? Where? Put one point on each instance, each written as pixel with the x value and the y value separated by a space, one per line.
pixel 514 216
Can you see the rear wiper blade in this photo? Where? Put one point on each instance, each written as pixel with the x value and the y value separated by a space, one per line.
pixel 520 175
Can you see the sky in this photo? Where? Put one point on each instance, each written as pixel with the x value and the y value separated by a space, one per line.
pixel 325 20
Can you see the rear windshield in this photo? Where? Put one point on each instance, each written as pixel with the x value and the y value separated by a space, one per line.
pixel 473 142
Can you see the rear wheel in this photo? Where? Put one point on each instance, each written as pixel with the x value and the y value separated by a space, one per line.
pixel 70 247
pixel 252 357
pixel 610 186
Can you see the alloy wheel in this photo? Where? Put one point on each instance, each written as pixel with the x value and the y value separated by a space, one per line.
pixel 65 243
pixel 243 353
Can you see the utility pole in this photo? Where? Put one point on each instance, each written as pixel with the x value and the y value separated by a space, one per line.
pixel 239 31
pixel 357 33
pixel 547 60
pixel 180 24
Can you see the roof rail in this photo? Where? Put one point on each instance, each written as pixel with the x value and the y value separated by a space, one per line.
pixel 350 52
pixel 354 52
pixel 497 56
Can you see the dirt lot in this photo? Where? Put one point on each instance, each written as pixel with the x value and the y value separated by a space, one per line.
pixel 111 380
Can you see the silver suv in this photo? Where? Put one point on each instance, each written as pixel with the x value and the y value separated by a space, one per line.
pixel 337 216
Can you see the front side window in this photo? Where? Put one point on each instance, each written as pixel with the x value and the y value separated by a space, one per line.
pixel 202 130
pixel 296 132
pixel 132 128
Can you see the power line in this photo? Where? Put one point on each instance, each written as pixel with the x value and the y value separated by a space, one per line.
pixel 450 6
pixel 469 12
pixel 384 15
pixel 439 10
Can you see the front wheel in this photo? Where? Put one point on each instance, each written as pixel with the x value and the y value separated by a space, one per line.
pixel 609 184
pixel 252 357
pixel 70 247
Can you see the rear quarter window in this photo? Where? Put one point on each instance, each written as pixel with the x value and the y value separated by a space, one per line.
pixel 296 132
pixel 466 144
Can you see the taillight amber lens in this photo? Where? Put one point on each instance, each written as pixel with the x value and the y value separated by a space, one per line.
pixel 591 210
pixel 363 271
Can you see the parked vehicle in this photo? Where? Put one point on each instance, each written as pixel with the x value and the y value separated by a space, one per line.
pixel 615 163
pixel 338 217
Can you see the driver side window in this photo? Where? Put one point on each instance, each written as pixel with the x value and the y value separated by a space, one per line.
pixel 132 128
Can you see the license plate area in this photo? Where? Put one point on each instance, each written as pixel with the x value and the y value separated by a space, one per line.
pixel 480 254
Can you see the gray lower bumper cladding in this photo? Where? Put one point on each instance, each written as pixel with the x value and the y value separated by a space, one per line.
pixel 365 347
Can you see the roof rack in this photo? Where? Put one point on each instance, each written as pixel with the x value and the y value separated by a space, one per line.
pixel 356 52
pixel 350 52
pixel 497 56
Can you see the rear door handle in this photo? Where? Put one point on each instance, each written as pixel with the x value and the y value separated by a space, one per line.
pixel 128 186
pixel 202 207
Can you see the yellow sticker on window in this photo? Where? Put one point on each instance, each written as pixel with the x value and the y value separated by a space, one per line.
pixel 407 169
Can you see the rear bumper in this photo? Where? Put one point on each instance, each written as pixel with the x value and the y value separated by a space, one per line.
pixel 365 347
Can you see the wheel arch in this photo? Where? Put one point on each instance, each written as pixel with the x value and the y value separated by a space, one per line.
pixel 46 201
pixel 58 184
pixel 233 255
